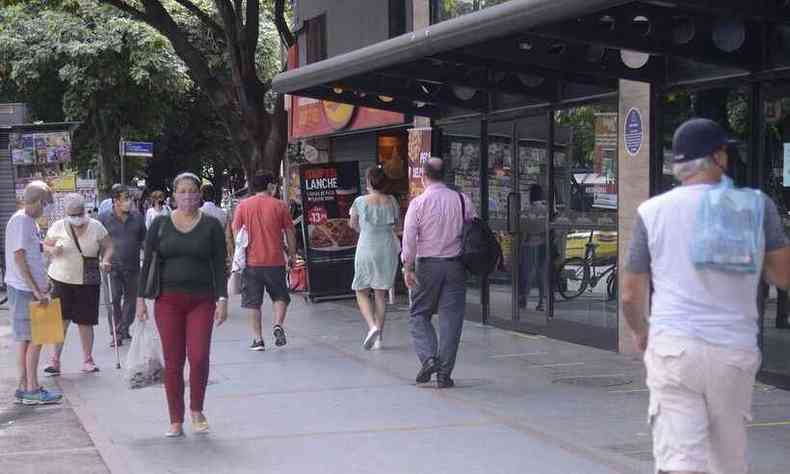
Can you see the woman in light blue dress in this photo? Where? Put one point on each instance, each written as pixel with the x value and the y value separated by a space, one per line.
pixel 375 216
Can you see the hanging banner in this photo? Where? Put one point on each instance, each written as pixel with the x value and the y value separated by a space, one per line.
pixel 328 191
pixel 419 152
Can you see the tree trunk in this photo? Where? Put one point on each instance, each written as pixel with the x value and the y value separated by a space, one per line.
pixel 257 136
pixel 108 138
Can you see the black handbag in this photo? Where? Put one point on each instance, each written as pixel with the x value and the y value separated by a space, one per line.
pixel 153 283
pixel 91 274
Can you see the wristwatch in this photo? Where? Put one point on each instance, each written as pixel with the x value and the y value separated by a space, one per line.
pixel 222 299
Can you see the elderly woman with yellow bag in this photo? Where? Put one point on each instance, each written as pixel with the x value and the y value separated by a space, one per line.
pixel 79 247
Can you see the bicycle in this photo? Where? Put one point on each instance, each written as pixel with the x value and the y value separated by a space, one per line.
pixel 577 274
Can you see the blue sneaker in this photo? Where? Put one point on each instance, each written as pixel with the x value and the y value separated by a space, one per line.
pixel 41 397
pixel 18 396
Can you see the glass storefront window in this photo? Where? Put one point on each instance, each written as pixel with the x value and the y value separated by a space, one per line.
pixel 584 244
pixel 447 9
pixel 728 106
pixel 585 166
pixel 776 316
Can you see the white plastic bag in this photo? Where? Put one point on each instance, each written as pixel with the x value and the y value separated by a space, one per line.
pixel 144 364
pixel 234 284
pixel 728 234
pixel 240 254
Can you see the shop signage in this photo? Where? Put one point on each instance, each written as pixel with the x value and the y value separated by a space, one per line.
pixel 309 117
pixel 338 115
pixel 633 132
pixel 419 152
pixel 328 191
pixel 144 149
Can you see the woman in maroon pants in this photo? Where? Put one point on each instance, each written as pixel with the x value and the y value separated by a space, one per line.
pixel 193 295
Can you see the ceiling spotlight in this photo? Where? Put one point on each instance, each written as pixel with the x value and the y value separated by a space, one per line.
pixel 464 93
pixel 386 98
pixel 634 59
pixel 338 90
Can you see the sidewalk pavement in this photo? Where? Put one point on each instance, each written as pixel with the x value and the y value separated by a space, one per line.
pixel 40 440
pixel 322 404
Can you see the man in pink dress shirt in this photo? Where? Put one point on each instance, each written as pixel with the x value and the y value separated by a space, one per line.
pixel 434 273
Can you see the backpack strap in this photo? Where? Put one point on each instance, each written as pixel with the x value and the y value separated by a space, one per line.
pixel 463 206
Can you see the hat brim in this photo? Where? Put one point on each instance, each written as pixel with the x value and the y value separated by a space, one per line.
pixel 684 158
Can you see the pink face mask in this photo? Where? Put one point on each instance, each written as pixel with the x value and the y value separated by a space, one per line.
pixel 187 202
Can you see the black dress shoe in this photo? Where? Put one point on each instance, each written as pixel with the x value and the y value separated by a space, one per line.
pixel 428 368
pixel 444 381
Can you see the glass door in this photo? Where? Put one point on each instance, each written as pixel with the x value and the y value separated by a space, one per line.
pixel 584 247
pixel 517 208
pixel 775 335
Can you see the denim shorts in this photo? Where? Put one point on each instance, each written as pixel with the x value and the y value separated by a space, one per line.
pixel 19 306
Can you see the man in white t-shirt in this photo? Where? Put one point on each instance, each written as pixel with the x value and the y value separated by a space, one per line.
pixel 701 341
pixel 26 280
pixel 209 207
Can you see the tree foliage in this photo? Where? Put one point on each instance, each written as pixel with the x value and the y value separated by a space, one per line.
pixel 117 76
pixel 231 52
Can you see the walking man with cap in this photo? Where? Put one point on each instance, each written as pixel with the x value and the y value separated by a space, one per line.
pixel 434 273
pixel 700 341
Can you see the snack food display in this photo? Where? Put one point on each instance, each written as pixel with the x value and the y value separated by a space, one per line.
pixel 333 234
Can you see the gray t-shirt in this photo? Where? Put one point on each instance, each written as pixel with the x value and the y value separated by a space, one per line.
pixel 127 239
pixel 718 307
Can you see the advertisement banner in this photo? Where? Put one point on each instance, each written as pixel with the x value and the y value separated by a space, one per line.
pixel 328 191
pixel 61 186
pixel 605 161
pixel 40 148
pixel 310 117
pixel 419 152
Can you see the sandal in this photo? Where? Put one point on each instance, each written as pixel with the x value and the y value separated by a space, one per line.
pixel 89 367
pixel 52 370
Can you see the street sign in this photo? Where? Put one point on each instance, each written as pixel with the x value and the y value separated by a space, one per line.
pixel 144 149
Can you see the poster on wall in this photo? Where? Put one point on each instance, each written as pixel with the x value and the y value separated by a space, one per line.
pixel 40 148
pixel 328 191
pixel 61 186
pixel 605 161
pixel 419 152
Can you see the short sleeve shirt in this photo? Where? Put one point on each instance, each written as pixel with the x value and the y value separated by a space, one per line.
pixel 265 218
pixel 68 267
pixel 22 233
pixel 127 239
pixel 717 307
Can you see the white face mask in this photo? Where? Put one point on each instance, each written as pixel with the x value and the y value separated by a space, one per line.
pixel 76 220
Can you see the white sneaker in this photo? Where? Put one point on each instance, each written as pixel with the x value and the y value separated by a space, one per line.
pixel 377 344
pixel 371 338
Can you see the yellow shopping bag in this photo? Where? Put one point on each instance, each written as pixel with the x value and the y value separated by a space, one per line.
pixel 46 322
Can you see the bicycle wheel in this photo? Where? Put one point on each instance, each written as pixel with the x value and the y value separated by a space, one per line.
pixel 574 276
pixel 611 285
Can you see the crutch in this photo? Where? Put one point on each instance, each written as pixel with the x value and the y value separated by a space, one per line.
pixel 112 319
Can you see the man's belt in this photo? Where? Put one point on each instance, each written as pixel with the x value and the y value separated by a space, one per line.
pixel 438 259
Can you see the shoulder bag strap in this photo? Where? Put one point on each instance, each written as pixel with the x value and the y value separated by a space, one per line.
pixel 76 240
pixel 463 206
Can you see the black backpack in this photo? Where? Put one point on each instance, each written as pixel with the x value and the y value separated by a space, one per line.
pixel 480 250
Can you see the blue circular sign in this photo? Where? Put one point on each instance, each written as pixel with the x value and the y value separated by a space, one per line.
pixel 633 132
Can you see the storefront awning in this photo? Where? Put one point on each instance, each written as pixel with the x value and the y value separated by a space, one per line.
pixel 546 51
